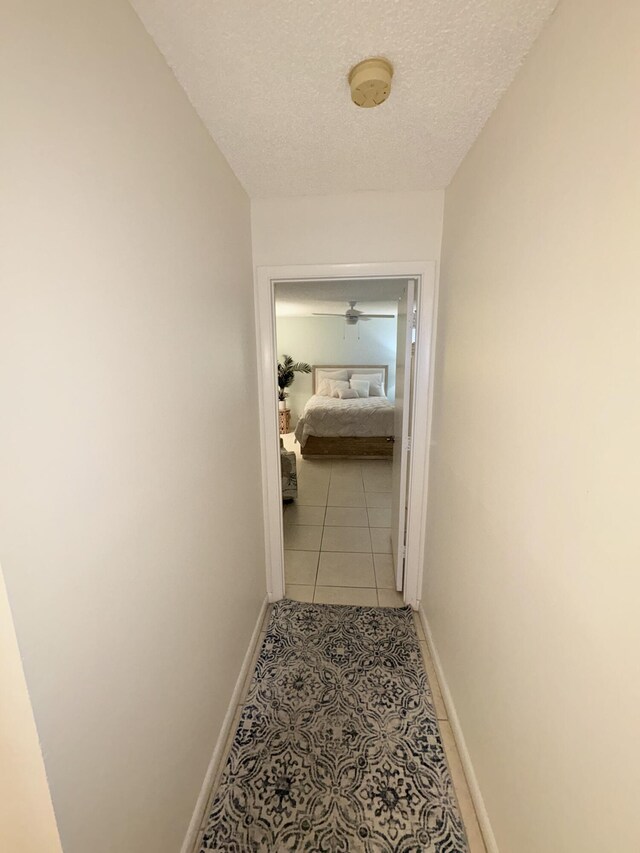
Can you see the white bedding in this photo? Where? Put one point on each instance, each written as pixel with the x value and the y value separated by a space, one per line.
pixel 330 416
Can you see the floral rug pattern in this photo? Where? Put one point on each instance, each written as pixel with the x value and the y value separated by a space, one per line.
pixel 338 748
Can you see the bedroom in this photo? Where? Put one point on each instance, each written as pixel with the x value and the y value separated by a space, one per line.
pixel 338 420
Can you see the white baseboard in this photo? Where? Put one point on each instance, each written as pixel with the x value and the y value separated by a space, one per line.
pixel 203 798
pixel 465 758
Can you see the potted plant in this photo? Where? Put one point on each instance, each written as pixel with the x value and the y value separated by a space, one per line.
pixel 287 369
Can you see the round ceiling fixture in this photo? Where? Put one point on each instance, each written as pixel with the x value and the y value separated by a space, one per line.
pixel 370 82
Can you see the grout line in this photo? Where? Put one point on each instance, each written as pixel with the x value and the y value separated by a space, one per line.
pixel 315 580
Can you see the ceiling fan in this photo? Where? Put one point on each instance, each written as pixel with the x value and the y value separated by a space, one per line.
pixel 352 315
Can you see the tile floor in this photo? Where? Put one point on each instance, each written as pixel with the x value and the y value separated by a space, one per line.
pixel 467 810
pixel 337 533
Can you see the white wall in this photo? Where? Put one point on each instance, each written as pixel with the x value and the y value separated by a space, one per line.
pixel 532 577
pixel 130 536
pixel 352 228
pixel 323 340
pixel 27 822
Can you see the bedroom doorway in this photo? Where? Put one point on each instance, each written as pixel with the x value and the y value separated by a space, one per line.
pixel 343 472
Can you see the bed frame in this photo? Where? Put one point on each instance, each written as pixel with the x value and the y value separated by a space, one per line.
pixel 354 447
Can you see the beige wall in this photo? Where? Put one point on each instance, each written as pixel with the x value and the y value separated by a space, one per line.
pixel 532 576
pixel 27 822
pixel 131 534
pixel 351 228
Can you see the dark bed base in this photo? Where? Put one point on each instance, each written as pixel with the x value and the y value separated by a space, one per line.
pixel 374 447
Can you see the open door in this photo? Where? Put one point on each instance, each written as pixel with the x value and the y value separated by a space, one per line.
pixel 401 431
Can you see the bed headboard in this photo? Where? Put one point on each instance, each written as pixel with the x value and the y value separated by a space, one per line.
pixel 359 368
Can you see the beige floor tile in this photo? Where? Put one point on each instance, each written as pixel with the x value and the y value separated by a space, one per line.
pixel 381 540
pixel 338 569
pixel 315 463
pixel 390 598
pixel 290 444
pixel 300 567
pixel 299 592
pixel 383 486
pixel 294 514
pixel 267 618
pixel 376 464
pixel 345 497
pixel 378 499
pixel 376 482
pixel 347 480
pixel 323 466
pixel 419 628
pixel 223 761
pixel 249 675
pixel 379 516
pixel 346 516
pixel 346 539
pixel 302 537
pixel 320 468
pixel 438 701
pixel 346 595
pixel 312 495
pixel 385 575
pixel 467 809
pixel 346 465
pixel 313 479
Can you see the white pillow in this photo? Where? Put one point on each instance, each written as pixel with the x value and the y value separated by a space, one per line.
pixel 337 385
pixel 361 386
pixel 348 394
pixel 322 380
pixel 376 382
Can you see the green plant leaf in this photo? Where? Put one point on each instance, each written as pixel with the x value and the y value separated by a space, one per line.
pixel 287 370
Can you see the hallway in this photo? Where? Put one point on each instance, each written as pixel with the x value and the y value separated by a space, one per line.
pixel 166 166
pixel 338 551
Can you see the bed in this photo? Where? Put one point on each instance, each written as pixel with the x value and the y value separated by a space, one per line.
pixel 332 427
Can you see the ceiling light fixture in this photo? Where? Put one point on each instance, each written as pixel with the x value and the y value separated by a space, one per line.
pixel 370 82
pixel 352 315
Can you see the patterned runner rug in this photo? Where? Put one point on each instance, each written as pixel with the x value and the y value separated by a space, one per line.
pixel 338 747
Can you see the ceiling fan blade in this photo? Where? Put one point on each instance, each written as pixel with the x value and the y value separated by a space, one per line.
pixel 377 316
pixel 318 314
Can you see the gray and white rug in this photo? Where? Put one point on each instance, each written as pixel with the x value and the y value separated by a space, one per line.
pixel 338 747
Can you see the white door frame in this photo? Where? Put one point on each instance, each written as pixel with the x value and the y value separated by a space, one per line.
pixel 420 415
pixel 401 449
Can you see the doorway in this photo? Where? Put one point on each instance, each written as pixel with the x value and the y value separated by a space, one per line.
pixel 406 450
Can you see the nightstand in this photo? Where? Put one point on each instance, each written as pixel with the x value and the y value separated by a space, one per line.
pixel 285 421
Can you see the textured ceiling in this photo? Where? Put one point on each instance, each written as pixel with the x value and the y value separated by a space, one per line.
pixel 269 79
